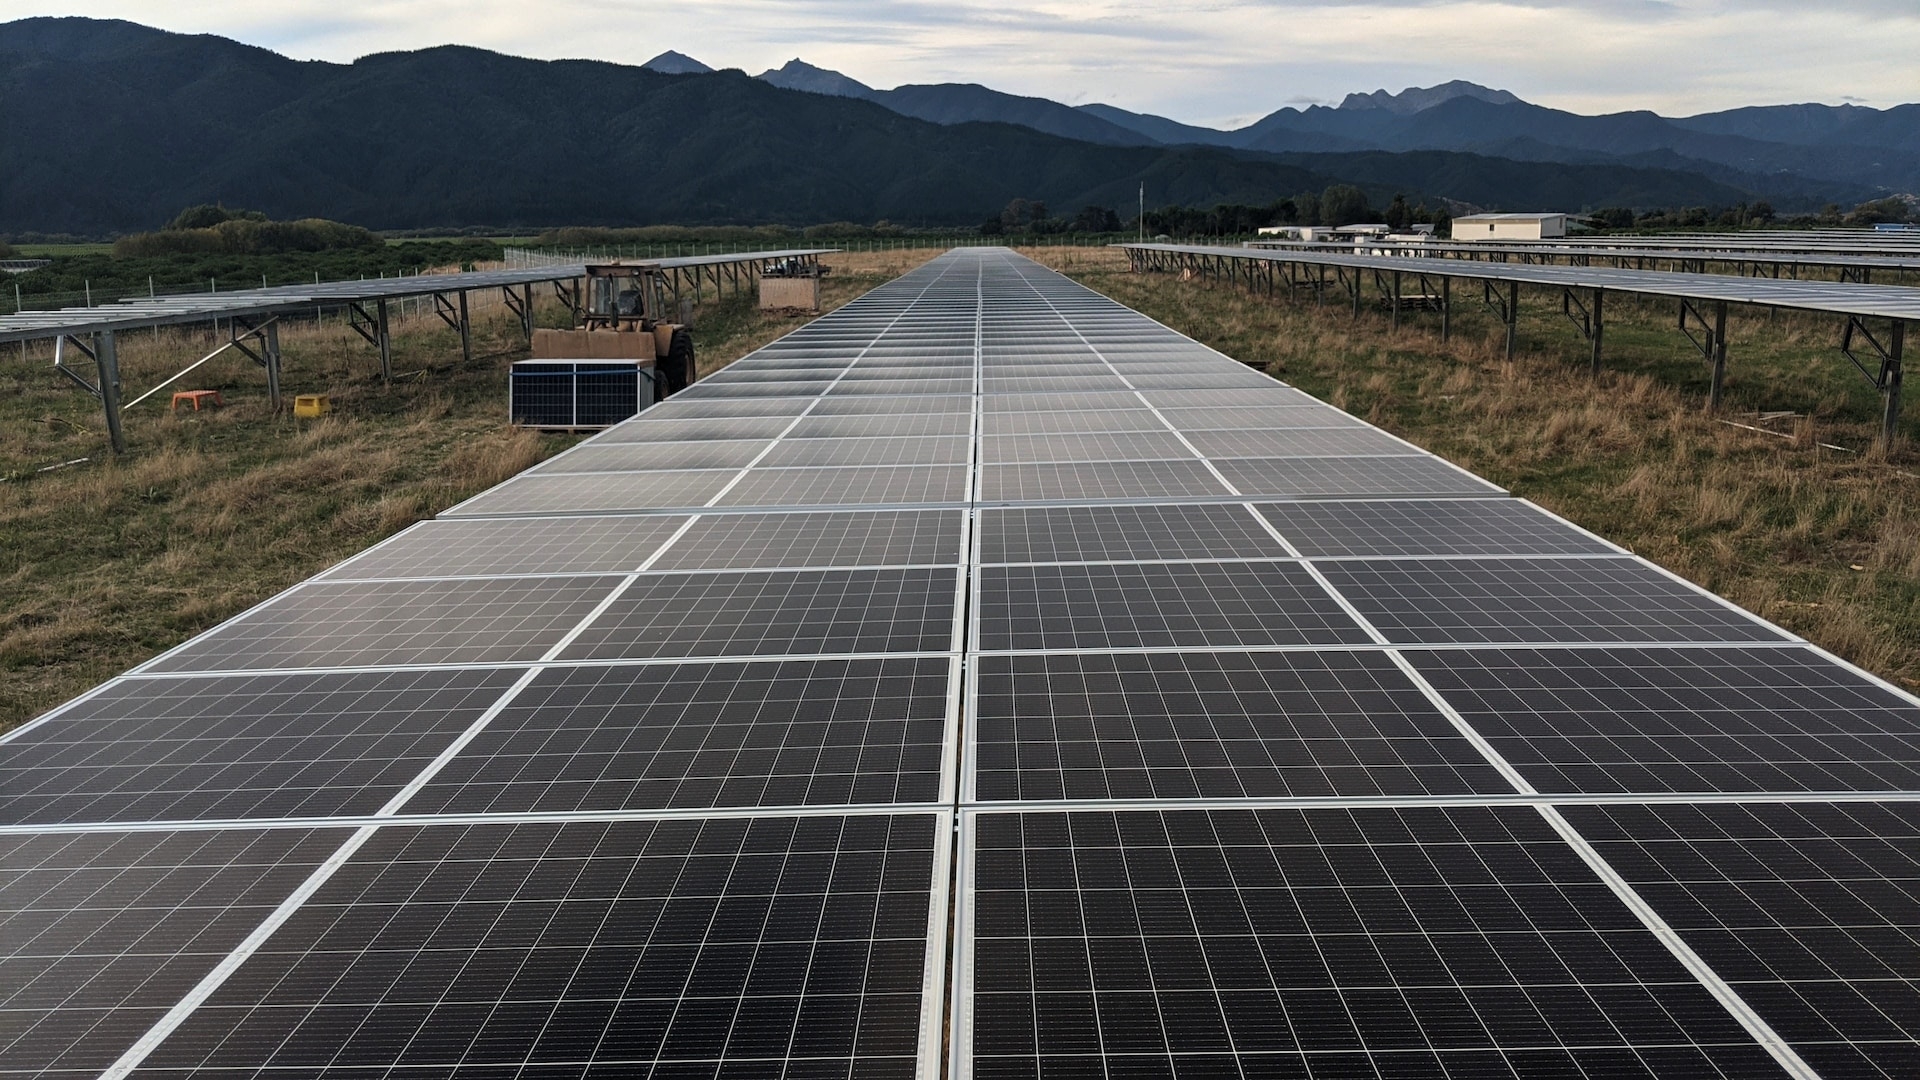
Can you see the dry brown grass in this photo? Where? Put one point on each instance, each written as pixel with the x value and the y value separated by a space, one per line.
pixel 1825 543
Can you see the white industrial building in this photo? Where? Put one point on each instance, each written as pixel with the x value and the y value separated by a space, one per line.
pixel 1509 227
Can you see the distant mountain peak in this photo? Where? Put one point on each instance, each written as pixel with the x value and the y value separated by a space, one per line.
pixel 676 63
pixel 1418 99
pixel 797 74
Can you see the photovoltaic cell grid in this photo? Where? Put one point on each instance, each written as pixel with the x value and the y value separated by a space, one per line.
pixel 1212 621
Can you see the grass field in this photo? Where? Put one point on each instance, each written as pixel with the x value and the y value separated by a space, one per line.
pixel 1824 542
pixel 108 561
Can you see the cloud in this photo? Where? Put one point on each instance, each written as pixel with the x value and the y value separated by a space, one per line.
pixel 1211 61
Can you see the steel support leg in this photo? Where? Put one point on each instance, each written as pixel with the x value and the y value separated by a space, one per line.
pixel 1446 309
pixel 270 352
pixel 1717 347
pixel 466 330
pixel 385 336
pixel 1599 295
pixel 107 359
pixel 1513 319
pixel 1394 323
pixel 1889 380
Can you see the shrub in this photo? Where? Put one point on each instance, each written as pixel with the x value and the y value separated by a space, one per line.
pixel 247 236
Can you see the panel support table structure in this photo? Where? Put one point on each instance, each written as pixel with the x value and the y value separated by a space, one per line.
pixel 1861 306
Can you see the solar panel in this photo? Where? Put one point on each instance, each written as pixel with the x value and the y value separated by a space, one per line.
pixel 1157 605
pixel 1426 941
pixel 1088 420
pixel 780 613
pixel 270 746
pixel 380 624
pixel 454 548
pixel 701 736
pixel 643 457
pixel 1119 446
pixel 102 932
pixel 1458 601
pixel 829 538
pixel 665 430
pixel 782 946
pixel 1186 725
pixel 1810 910
pixel 899 485
pixel 1123 534
pixel 590 493
pixel 683 407
pixel 1349 476
pixel 1240 418
pixel 1699 720
pixel 1257 741
pixel 911 450
pixel 1428 527
pixel 911 424
pixel 1098 481
pixel 1298 442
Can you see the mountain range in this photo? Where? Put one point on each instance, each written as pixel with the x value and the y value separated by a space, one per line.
pixel 1796 153
pixel 112 126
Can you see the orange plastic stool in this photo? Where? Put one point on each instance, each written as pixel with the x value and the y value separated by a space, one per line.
pixel 197 397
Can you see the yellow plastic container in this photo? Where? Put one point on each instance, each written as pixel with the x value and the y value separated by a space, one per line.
pixel 312 405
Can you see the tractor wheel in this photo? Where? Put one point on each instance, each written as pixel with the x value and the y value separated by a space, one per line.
pixel 678 368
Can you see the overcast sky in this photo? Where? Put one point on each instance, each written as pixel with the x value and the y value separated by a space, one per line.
pixel 1215 62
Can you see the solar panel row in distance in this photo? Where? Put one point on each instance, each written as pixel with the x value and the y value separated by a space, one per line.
pixel 1279 732
pixel 642 762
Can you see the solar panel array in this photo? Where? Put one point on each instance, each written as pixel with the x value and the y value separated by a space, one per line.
pixel 982 680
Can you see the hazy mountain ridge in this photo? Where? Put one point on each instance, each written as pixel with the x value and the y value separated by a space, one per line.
pixel 113 127
pixel 1844 152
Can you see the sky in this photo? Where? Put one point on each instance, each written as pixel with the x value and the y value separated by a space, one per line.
pixel 1222 63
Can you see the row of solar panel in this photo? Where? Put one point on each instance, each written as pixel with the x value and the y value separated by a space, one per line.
pixel 1019 608
pixel 1382 942
pixel 1419 940
pixel 1084 727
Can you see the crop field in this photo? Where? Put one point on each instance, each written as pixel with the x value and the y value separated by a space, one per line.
pixel 105 562
pixel 1823 541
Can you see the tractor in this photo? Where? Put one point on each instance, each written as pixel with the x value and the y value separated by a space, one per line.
pixel 621 316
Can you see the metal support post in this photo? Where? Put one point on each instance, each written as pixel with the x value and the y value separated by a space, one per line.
pixel 1718 345
pixel 1394 324
pixel 270 353
pixel 1888 378
pixel 466 330
pixel 1890 382
pixel 383 337
pixel 526 312
pixel 1446 309
pixel 1598 331
pixel 1513 319
pixel 107 359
